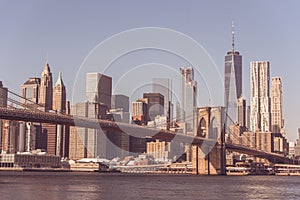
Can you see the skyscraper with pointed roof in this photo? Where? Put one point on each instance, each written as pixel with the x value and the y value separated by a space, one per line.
pixel 46 88
pixel 232 80
pixel 59 95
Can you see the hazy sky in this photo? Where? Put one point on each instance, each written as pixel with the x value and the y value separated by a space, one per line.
pixel 68 31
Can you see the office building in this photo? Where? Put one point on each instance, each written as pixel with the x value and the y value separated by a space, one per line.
pixel 164 87
pixel 139 112
pixel 85 142
pixel 188 96
pixel 120 101
pixel 60 106
pixel 276 105
pixel 46 89
pixel 30 92
pixel 120 108
pixel 99 89
pixel 260 116
pixel 232 81
pixel 155 105
pixel 241 111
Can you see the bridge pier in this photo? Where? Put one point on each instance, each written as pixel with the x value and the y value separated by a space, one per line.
pixel 209 161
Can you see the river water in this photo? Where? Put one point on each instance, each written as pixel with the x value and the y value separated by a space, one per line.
pixel 73 185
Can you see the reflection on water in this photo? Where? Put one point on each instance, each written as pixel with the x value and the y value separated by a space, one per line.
pixel 61 185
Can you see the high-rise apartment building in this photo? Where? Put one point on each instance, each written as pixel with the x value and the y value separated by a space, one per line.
pixel 99 89
pixel 260 117
pixel 276 105
pixel 232 81
pixel 188 96
pixel 46 89
pixel 155 105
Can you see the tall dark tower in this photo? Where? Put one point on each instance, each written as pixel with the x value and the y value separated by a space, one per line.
pixel 233 80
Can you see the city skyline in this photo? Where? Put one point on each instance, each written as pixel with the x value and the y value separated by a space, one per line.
pixel 64 55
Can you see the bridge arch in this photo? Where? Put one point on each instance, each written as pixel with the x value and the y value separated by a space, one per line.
pixel 202 130
pixel 213 129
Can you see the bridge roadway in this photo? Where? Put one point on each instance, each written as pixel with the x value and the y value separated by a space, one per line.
pixel 131 129
pixel 109 126
pixel 272 157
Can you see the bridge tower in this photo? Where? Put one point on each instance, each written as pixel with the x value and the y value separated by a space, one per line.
pixel 209 156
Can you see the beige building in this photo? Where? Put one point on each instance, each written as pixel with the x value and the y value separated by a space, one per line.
pixel 276 105
pixel 46 88
pixel 160 150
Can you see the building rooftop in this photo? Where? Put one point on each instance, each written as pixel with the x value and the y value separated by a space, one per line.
pixel 32 80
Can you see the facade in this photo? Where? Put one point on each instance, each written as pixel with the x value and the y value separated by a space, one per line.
pixel 164 87
pixel 188 96
pixel 241 111
pixel 155 105
pixel 120 108
pixel 60 106
pixel 276 105
pixel 10 136
pixel 160 150
pixel 85 142
pixel 232 81
pixel 99 89
pixel 120 101
pixel 140 112
pixel 59 96
pixel 260 114
pixel 161 122
pixel 29 161
pixel 119 115
pixel 46 89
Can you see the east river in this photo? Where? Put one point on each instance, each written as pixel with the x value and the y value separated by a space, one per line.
pixel 71 185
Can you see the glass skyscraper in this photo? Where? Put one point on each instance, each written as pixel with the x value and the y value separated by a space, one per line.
pixel 232 81
pixel 188 96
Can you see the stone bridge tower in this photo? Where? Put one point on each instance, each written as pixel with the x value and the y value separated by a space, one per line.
pixel 209 156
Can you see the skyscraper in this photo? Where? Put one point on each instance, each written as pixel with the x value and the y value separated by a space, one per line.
pixel 120 101
pixel 260 96
pixel 140 112
pixel 30 91
pixel 188 96
pixel 276 105
pixel 155 105
pixel 59 105
pixel 233 80
pixel 59 95
pixel 241 114
pixel 85 142
pixel 46 88
pixel 99 88
pixel 164 87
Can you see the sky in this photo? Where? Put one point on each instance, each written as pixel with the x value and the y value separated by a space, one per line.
pixel 67 33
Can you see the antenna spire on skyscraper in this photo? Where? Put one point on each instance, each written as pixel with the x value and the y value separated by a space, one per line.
pixel 232 32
